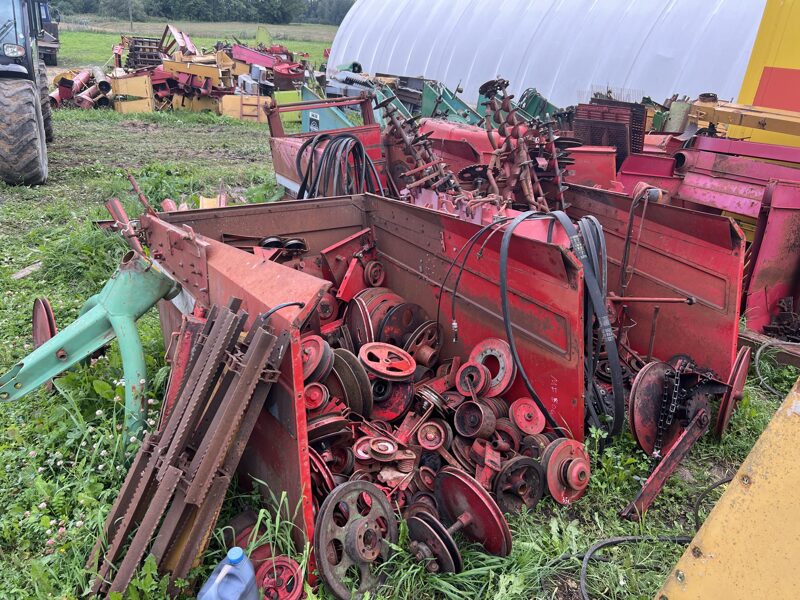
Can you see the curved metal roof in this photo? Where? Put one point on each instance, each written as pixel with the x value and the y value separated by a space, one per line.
pixel 563 48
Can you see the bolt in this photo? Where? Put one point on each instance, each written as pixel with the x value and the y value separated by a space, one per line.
pixel 696 552
pixel 746 479
pixel 4 396
pixel 17 385
pixel 680 576
pixel 61 354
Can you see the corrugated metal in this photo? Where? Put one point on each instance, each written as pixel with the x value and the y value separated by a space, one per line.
pixel 564 48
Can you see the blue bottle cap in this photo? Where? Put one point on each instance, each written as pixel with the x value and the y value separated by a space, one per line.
pixel 235 555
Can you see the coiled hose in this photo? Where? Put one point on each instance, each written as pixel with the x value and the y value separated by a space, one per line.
pixel 343 168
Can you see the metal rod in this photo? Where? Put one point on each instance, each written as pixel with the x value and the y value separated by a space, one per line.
pixel 653 325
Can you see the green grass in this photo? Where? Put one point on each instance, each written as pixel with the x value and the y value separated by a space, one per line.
pixel 90 48
pixel 59 456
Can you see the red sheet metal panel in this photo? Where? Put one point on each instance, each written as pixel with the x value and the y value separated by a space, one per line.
pixel 594 165
pixel 778 88
pixel 680 253
pixel 653 169
pixel 775 272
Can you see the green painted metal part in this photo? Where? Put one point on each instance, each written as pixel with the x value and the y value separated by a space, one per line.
pixel 135 288
pixel 440 102
pixel 321 119
pixel 536 105
pixel 382 92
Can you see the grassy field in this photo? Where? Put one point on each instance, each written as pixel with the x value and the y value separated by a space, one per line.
pixel 87 41
pixel 61 454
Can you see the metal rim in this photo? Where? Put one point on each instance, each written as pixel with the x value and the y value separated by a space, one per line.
pixel 387 361
pixel 557 460
pixel 457 493
pixel 472 379
pixel 362 379
pixel 499 350
pixel 280 578
pixel 354 530
pixel 43 321
pixel 350 384
pixel 526 415
pixel 520 482
pixel 433 544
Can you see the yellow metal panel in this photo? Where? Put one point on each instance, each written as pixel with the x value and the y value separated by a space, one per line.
pixel 134 106
pixel 209 71
pixel 777 45
pixel 240 68
pixel 195 104
pixel 245 107
pixel 137 87
pixel 749 545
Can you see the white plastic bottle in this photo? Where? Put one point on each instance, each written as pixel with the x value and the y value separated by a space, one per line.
pixel 233 579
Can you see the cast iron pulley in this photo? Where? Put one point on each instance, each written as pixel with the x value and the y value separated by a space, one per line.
pixel 354 531
pixel 474 419
pixel 280 578
pixel 317 358
pixel 432 544
pixel 329 428
pixel 533 446
pixel 358 323
pixel 520 483
pixel 353 367
pixel 374 273
pixel 507 437
pixel 735 391
pixel 495 354
pixel 43 321
pixel 392 399
pixel 387 361
pixel 424 343
pixel 473 379
pixel 566 464
pixel 400 323
pixel 316 396
pixel 431 436
pixel 321 475
pixel 465 506
pixel 526 415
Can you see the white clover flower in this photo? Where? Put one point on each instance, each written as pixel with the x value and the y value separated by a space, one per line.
pixel 43 505
pixel 78 524
pixel 52 522
pixel 101 467
pixel 142 382
pixel 103 453
pixel 60 463
pixel 151 401
pixel 99 412
pixel 32 453
pixel 40 470
pixel 133 439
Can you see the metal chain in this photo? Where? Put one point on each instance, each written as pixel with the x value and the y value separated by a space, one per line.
pixel 669 404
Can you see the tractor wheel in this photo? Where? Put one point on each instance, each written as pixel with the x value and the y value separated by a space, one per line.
pixel 23 151
pixel 47 112
pixel 51 60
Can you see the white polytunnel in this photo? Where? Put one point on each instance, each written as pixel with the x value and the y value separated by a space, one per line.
pixel 564 48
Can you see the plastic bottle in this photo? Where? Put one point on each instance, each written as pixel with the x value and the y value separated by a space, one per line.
pixel 233 579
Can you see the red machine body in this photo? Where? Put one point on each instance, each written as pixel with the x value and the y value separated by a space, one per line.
pixel 416 247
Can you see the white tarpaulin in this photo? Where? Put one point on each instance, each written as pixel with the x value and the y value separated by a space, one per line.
pixel 563 48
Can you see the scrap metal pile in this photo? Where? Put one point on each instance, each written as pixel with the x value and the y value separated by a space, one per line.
pixel 171 72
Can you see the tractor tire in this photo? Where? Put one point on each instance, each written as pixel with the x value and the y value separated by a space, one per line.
pixel 47 111
pixel 23 151
pixel 51 60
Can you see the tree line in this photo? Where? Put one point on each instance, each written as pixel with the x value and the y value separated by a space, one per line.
pixel 258 11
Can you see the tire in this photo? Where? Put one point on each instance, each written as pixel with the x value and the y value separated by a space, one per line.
pixel 23 151
pixel 47 111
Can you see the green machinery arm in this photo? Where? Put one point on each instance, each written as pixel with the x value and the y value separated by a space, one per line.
pixel 135 288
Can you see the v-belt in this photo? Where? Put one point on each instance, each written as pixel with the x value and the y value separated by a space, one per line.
pixel 598 307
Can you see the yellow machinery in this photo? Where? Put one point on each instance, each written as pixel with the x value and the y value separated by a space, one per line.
pixel 749 545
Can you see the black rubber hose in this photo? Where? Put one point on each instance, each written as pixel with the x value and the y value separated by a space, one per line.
pixel 705 493
pixel 278 307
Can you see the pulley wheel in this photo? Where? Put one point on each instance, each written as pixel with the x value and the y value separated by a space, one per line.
pixel 43 321
pixel 400 323
pixel 425 343
pixel 431 436
pixel 431 543
pixel 353 534
pixel 520 483
pixel 317 358
pixel 495 354
pixel 316 396
pixel 525 414
pixel 735 392
pixel 320 474
pixel 644 408
pixel 472 379
pixel 387 361
pixel 506 434
pixel 566 464
pixel 329 428
pixel 350 384
pixel 280 578
pixel 362 379
pixel 392 399
pixel 474 420
pixel 459 495
pixel 358 324
pixel 533 446
pixel 374 273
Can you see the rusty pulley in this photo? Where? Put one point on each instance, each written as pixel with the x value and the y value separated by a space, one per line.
pixel 387 361
pixel 353 535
